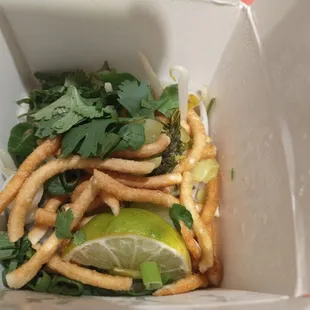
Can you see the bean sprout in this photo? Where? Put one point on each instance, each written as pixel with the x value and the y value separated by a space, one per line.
pixel 154 81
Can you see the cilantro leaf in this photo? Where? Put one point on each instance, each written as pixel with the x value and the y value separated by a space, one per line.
pixel 64 286
pixel 94 145
pixel 179 213
pixel 137 99
pixel 76 78
pixel 168 101
pixel 90 139
pixel 39 99
pixel 64 183
pixel 131 94
pixel 45 129
pixel 5 243
pixel 132 137
pixel 49 80
pixel 22 140
pixel 64 220
pixel 70 108
pixel 42 283
pixel 55 186
pixel 115 78
pixel 79 237
pixel 66 122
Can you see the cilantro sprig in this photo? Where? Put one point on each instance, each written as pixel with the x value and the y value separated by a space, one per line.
pixel 179 213
pixel 138 101
pixel 92 120
pixel 90 139
pixel 66 112
pixel 64 220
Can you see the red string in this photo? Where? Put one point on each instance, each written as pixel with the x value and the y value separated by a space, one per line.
pixel 248 2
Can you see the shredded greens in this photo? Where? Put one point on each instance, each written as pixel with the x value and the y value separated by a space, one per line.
pixel 172 153
pixel 12 255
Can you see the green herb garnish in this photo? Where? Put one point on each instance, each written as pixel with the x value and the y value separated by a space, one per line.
pixel 90 139
pixel 64 183
pixel 174 149
pixel 138 101
pixel 232 174
pixel 168 102
pixel 41 283
pixel 210 106
pixel 79 237
pixel 132 137
pixel 64 286
pixel 151 276
pixel 69 110
pixel 22 141
pixel 115 78
pixel 179 213
pixel 63 224
pixel 131 94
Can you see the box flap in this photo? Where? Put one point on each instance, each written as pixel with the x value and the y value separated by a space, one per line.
pixel 70 34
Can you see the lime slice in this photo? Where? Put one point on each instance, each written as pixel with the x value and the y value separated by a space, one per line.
pixel 201 195
pixel 205 170
pixel 156 160
pixel 126 241
pixel 185 138
pixel 152 130
pixel 135 274
pixel 161 211
pixel 193 101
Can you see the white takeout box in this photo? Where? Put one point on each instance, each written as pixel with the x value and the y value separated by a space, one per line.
pixel 259 73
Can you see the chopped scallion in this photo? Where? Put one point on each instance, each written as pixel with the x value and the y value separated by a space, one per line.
pixel 232 174
pixel 151 276
pixel 210 106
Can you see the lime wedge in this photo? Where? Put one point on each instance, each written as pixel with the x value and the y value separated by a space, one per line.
pixel 152 130
pixel 185 138
pixel 159 210
pixel 193 101
pixel 135 274
pixel 205 170
pixel 201 195
pixel 126 241
pixel 156 160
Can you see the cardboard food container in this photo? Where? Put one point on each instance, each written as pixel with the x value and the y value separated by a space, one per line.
pixel 255 61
